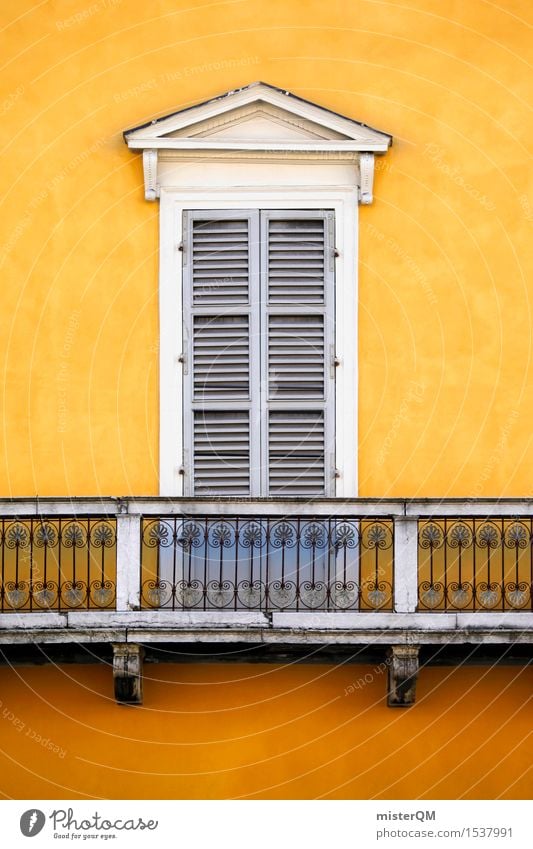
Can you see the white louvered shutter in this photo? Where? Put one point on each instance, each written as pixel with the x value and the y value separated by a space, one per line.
pixel 221 376
pixel 297 277
pixel 258 303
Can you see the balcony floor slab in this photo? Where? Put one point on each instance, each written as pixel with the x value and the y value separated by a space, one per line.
pixel 164 626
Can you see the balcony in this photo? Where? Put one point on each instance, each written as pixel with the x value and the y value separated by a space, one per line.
pixel 151 571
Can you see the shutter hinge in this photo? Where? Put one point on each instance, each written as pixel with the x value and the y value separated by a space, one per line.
pixel 335 362
pixel 336 253
pixel 337 473
pixel 179 246
pixel 182 358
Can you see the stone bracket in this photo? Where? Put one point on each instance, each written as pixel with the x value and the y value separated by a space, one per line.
pixel 127 673
pixel 402 677
pixel 151 189
pixel 366 171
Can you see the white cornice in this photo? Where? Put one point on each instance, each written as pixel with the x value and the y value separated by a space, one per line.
pixel 221 144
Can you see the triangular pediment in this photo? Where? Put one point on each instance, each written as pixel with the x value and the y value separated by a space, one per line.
pixel 257 117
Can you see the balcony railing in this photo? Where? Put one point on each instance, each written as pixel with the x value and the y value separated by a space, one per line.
pixel 57 563
pixel 279 559
pixel 475 564
pixel 267 563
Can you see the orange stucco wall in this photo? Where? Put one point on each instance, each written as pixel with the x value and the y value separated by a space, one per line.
pixel 445 309
pixel 261 731
pixel 445 364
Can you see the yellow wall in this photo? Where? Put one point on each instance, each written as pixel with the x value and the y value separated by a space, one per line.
pixel 260 731
pixel 445 312
pixel 445 348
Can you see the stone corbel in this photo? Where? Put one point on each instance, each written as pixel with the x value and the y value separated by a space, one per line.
pixel 403 672
pixel 151 189
pixel 366 173
pixel 127 673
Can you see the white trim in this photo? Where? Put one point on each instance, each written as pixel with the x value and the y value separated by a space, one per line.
pixel 343 200
pixel 410 510
pixel 128 561
pixel 222 144
pixel 347 351
pixel 412 622
pixel 170 351
pixel 405 565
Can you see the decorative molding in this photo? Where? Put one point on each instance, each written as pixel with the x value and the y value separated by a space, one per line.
pixel 165 143
pixel 267 155
pixel 366 170
pixel 258 93
pixel 403 674
pixel 127 673
pixel 195 133
pixel 151 189
pixel 259 110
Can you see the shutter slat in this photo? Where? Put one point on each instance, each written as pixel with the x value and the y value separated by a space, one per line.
pixel 203 230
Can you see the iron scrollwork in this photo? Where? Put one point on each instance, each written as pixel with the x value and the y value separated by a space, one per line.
pixel 476 564
pixel 267 564
pixel 57 564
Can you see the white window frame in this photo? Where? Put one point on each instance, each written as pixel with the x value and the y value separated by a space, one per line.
pixel 174 201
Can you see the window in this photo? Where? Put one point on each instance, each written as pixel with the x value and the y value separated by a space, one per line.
pixel 252 185
pixel 259 352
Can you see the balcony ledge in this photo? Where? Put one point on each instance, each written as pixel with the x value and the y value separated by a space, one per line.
pixel 255 627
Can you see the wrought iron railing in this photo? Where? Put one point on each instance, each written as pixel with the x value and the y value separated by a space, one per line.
pixel 267 563
pixel 57 563
pixel 475 564
pixel 153 554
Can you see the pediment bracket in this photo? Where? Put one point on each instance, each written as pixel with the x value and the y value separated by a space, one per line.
pixel 366 171
pixel 151 188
